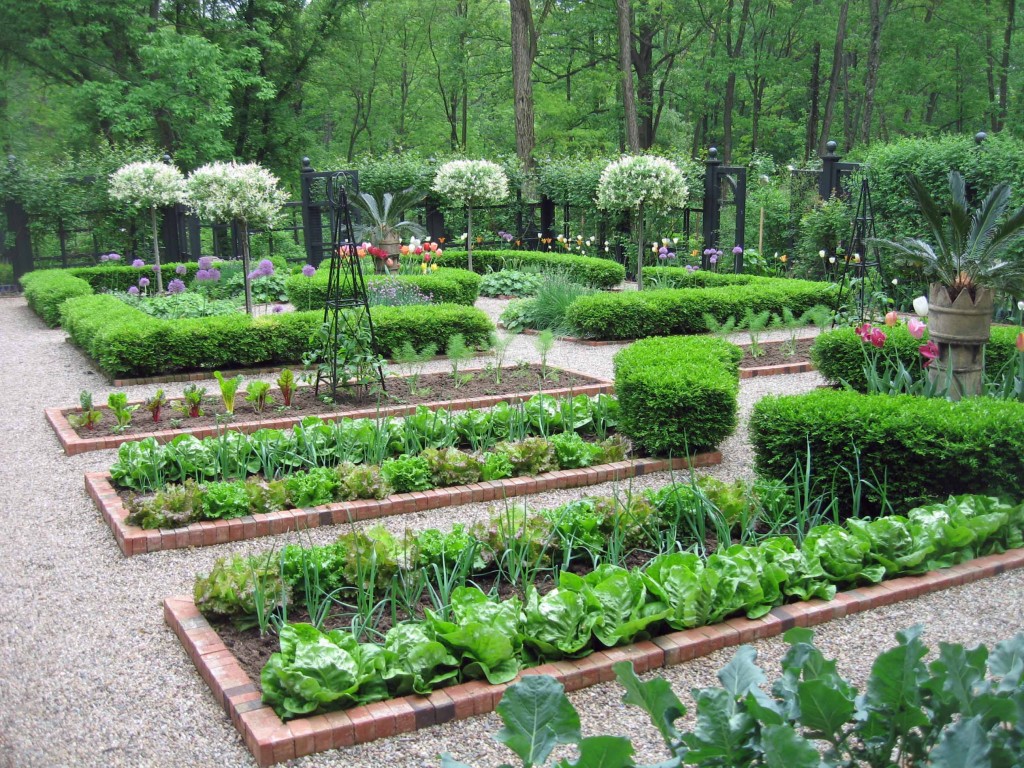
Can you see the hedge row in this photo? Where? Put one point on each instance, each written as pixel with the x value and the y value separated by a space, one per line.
pixel 922 449
pixel 124 341
pixel 839 355
pixel 46 290
pixel 680 277
pixel 672 311
pixel 586 270
pixel 446 286
pixel 678 395
pixel 122 277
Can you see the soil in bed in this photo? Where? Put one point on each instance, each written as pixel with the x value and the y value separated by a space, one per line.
pixel 431 387
pixel 777 353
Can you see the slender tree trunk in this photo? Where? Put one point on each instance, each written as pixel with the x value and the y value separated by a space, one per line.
pixel 243 235
pixel 523 53
pixel 879 10
pixel 624 9
pixel 1004 64
pixel 156 252
pixel 640 247
pixel 813 94
pixel 834 77
pixel 469 237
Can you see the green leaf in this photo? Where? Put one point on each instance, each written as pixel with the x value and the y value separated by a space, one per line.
pixel 823 709
pixel 537 717
pixel 603 752
pixel 741 675
pixel 447 761
pixel 785 748
pixel 655 697
pixel 963 745
pixel 1007 662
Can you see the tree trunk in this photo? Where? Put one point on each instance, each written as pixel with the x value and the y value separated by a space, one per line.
pixel 243 235
pixel 1004 64
pixel 469 237
pixel 523 53
pixel 834 77
pixel 813 95
pixel 640 247
pixel 879 10
pixel 624 9
pixel 156 252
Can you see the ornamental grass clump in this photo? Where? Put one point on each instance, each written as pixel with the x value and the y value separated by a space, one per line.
pixel 634 183
pixel 246 194
pixel 469 183
pixel 151 185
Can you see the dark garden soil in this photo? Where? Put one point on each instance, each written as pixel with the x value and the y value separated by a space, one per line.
pixel 431 387
pixel 777 353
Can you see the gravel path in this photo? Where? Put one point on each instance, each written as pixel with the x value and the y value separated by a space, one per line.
pixel 90 676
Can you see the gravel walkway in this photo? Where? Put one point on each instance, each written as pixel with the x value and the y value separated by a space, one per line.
pixel 90 676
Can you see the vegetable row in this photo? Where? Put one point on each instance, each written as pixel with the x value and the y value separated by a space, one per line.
pixel 146 465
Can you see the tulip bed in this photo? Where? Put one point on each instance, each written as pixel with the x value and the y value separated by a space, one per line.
pixel 446 286
pixel 585 270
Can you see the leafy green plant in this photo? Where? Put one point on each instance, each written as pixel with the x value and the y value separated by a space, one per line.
pixel 754 323
pixel 156 403
pixel 572 451
pixel 117 402
pixel 509 282
pixel 224 500
pixel 500 345
pixel 414 362
pixel 407 473
pixel 496 466
pixel 258 393
pixel 228 388
pixel 308 489
pixel 450 466
pixel 88 418
pixel 719 329
pixel 458 353
pixel 192 401
pixel 286 383
pixel 544 343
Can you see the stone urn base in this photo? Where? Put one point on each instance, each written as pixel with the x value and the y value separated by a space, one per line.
pixel 960 328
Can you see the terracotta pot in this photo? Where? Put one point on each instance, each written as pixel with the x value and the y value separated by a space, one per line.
pixel 960 328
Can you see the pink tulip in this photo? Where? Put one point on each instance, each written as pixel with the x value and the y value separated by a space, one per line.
pixel 877 338
pixel 892 319
pixel 1020 341
pixel 929 352
pixel 915 327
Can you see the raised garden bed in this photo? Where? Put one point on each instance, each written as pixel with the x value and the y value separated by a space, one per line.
pixel 134 540
pixel 272 740
pixel 518 384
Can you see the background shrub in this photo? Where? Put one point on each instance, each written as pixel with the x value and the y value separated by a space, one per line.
pixel 923 449
pixel 586 270
pixel 446 286
pixel 677 395
pixel 680 277
pixel 121 277
pixel 46 290
pixel 839 354
pixel 665 312
pixel 126 342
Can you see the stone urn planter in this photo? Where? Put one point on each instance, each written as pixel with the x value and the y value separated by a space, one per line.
pixel 960 328
pixel 392 247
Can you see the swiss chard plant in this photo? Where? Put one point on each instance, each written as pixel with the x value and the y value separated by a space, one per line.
pixel 156 403
pixel 258 394
pixel 286 383
pixel 228 388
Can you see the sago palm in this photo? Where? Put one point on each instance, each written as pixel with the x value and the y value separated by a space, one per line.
pixel 972 246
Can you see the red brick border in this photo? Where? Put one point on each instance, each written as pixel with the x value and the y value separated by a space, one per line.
pixel 73 444
pixel 776 370
pixel 136 541
pixel 272 740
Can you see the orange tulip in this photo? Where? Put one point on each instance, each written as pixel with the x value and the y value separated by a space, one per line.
pixel 892 319
pixel 1020 341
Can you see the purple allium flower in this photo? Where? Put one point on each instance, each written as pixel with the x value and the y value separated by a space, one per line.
pixel 181 269
pixel 278 309
pixel 267 265
pixel 104 257
pixel 671 255
pixel 138 263
pixel 713 257
pixel 176 286
pixel 309 270
pixel 133 291
pixel 156 268
pixel 143 282
pixel 214 274
pixel 208 275
pixel 691 268
pixel 737 249
pixel 205 262
pixel 113 256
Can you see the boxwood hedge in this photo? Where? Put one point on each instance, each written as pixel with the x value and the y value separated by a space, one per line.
pixel 46 290
pixel 586 270
pixel 121 277
pixel 680 277
pixel 126 342
pixel 839 355
pixel 672 311
pixel 922 449
pixel 678 395
pixel 446 286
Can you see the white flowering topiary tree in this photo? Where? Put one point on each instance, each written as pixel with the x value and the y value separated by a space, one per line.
pixel 469 183
pixel 148 185
pixel 246 194
pixel 636 182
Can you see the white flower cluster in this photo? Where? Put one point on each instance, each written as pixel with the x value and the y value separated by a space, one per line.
pixel 638 180
pixel 222 192
pixel 147 185
pixel 471 182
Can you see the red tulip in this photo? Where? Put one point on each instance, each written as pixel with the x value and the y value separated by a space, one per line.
pixel 929 352
pixel 877 337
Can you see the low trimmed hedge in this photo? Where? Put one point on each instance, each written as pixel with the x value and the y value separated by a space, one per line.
pixel 678 395
pixel 446 286
pixel 122 277
pixel 680 277
pixel 47 289
pixel 839 355
pixel 924 449
pixel 586 270
pixel 680 311
pixel 126 342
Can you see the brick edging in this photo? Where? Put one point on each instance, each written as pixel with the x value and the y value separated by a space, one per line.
pixel 135 541
pixel 272 740
pixel 776 370
pixel 74 444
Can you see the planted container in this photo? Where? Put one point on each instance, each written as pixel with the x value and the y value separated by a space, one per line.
pixel 960 328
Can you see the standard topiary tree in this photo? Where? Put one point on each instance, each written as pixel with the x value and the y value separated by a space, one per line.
pixel 148 185
pixel 469 183
pixel 634 182
pixel 245 194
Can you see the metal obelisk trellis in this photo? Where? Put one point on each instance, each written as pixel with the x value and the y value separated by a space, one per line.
pixel 347 305
pixel 859 245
